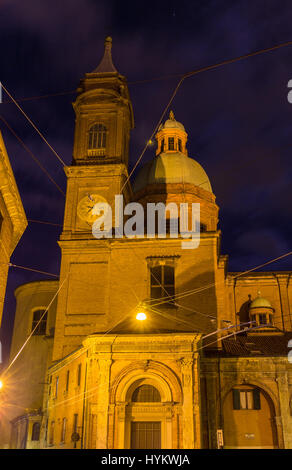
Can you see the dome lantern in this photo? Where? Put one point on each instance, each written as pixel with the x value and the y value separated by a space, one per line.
pixel 261 312
pixel 171 137
pixel 172 176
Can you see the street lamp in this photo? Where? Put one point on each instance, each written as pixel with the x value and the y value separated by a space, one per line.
pixel 141 315
pixel 1 384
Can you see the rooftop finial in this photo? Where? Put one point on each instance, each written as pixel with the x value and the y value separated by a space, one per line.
pixel 259 293
pixel 106 65
pixel 171 116
pixel 108 42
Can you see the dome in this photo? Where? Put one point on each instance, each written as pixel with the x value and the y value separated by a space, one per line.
pixel 172 168
pixel 260 302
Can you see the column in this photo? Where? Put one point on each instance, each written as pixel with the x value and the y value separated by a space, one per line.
pixel 103 402
pixel 188 405
pixel 121 424
pixel 285 307
pixel 282 381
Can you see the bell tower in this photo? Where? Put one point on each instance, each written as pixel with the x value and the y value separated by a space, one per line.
pixel 99 172
pixel 104 115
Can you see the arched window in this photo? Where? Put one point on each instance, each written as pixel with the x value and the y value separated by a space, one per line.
pixel 170 143
pixel 35 434
pixel 146 393
pixel 39 322
pixel 97 139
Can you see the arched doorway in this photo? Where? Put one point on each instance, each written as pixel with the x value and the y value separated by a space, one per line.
pixel 145 434
pixel 146 408
pixel 148 415
pixel 249 419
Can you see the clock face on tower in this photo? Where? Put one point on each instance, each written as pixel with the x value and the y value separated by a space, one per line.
pixel 85 206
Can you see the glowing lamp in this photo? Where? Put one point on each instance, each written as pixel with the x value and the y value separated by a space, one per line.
pixel 141 316
pixel 1 384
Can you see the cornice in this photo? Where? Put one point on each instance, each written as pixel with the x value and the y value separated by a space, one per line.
pixel 11 197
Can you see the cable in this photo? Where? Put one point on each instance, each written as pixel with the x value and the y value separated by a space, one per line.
pixel 32 269
pixel 32 155
pixel 37 324
pixel 33 125
pixel 162 286
pixel 89 392
pixel 167 298
pixel 48 95
pixel 200 289
pixel 195 311
pixel 142 81
pixel 72 92
pixel 191 74
pixel 45 223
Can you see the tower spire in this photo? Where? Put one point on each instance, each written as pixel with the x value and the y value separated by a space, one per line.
pixel 106 65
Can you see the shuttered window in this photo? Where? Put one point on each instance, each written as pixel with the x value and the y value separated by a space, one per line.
pixel 246 399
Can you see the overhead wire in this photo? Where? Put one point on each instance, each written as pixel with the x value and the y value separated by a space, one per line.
pixel 34 329
pixel 34 126
pixel 12 265
pixel 89 392
pixel 43 222
pixel 191 74
pixel 36 160
pixel 187 75
pixel 208 286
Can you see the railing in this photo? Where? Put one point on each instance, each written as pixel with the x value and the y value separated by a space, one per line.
pixel 96 152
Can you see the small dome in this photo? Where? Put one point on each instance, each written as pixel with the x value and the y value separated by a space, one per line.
pixel 170 168
pixel 171 123
pixel 260 302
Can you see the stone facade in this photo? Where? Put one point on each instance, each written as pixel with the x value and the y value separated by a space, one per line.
pixel 12 218
pixel 13 222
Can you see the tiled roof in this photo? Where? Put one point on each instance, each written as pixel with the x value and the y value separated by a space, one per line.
pixel 164 321
pixel 255 345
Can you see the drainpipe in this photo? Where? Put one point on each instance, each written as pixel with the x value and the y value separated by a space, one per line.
pixel 83 437
pixel 220 397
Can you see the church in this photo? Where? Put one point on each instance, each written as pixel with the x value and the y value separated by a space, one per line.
pixel 141 343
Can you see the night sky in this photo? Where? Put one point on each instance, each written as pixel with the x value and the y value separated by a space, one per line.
pixel 238 117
